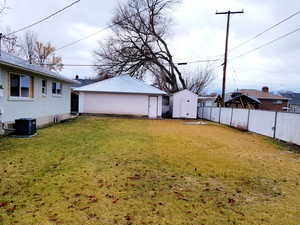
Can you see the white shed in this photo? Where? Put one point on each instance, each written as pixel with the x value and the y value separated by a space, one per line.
pixel 184 104
pixel 121 95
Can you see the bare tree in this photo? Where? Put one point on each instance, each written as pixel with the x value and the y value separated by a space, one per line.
pixel 138 47
pixel 138 44
pixel 39 53
pixel 199 79
pixel 28 46
pixel 54 63
pixel 44 56
pixel 10 45
pixel 3 7
pixel 42 52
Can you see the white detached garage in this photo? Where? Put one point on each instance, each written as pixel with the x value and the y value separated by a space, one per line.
pixel 184 104
pixel 121 95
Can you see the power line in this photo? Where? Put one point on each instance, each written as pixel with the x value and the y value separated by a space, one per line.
pixel 268 43
pixel 97 32
pixel 44 19
pixel 84 38
pixel 93 65
pixel 265 31
pixel 261 33
pixel 203 61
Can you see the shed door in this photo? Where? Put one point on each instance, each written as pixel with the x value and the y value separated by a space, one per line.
pixel 186 108
pixel 153 107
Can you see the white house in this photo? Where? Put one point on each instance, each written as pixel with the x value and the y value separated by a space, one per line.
pixel 207 101
pixel 121 95
pixel 31 91
pixel 184 104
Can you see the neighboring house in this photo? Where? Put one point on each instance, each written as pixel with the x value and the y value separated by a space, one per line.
pixel 207 101
pixel 294 101
pixel 184 104
pixel 121 95
pixel 31 91
pixel 241 100
pixel 82 82
pixel 268 100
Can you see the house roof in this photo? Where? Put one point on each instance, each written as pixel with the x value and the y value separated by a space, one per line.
pixel 83 82
pixel 121 84
pixel 261 95
pixel 294 98
pixel 252 99
pixel 19 63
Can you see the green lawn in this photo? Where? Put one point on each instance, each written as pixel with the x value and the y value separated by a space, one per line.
pixel 137 171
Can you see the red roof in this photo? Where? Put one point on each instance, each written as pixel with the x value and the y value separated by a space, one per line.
pixel 261 94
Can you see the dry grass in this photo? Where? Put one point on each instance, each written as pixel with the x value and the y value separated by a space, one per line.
pixel 135 171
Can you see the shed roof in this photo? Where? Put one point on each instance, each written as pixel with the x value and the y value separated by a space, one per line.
pixel 19 63
pixel 121 84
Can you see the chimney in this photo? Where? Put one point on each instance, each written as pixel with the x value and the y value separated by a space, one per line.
pixel 77 77
pixel 265 89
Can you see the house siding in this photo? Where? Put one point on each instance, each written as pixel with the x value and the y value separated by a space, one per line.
pixel 43 108
pixel 268 104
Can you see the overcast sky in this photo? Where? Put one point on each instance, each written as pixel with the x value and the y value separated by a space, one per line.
pixel 196 33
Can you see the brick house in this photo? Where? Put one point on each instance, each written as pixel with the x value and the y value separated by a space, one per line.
pixel 268 100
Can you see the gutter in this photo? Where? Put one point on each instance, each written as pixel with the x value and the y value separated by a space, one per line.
pixel 120 92
pixel 58 77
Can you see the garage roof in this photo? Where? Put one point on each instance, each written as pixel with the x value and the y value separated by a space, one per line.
pixel 121 84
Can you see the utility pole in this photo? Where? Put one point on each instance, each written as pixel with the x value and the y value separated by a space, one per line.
pixel 1 36
pixel 228 13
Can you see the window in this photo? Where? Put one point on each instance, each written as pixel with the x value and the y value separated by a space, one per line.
pixel 278 102
pixel 56 88
pixel 44 87
pixel 166 100
pixel 21 85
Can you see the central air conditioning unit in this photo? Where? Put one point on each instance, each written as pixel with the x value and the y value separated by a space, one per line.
pixel 25 127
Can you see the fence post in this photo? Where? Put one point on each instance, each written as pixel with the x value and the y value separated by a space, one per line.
pixel 275 124
pixel 203 112
pixel 210 113
pixel 248 119
pixel 220 115
pixel 231 117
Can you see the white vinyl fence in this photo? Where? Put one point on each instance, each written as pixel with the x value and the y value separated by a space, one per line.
pixel 279 125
